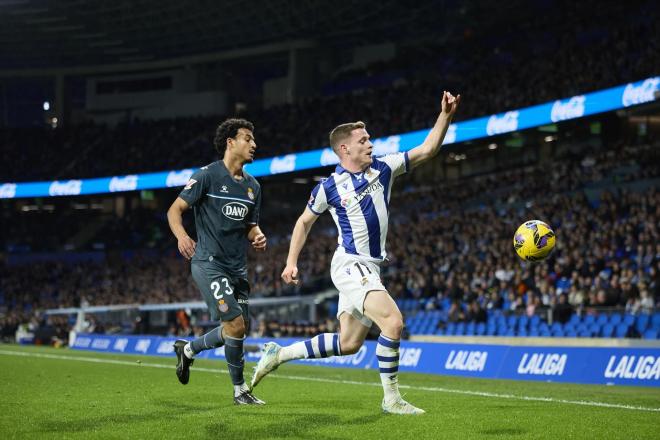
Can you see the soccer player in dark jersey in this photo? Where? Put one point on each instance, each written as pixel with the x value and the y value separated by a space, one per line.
pixel 226 202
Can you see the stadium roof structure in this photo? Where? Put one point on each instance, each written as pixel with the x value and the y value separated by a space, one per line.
pixel 38 34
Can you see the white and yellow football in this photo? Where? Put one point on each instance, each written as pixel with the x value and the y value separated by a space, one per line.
pixel 534 240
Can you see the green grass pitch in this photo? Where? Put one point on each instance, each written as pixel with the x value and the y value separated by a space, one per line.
pixel 61 393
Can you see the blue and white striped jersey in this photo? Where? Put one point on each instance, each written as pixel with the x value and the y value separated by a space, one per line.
pixel 359 204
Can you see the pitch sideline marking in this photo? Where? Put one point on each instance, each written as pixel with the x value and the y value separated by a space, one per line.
pixel 344 382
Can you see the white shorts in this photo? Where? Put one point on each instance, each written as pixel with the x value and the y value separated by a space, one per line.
pixel 354 277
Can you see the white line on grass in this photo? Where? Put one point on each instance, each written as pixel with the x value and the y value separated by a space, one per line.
pixel 344 382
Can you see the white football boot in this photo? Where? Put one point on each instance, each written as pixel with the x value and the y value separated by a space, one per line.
pixel 269 362
pixel 400 406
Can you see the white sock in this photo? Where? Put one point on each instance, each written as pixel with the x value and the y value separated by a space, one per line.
pixel 292 352
pixel 320 346
pixel 387 351
pixel 240 389
pixel 188 351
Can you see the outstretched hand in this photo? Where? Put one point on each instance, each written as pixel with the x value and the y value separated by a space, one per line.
pixel 450 103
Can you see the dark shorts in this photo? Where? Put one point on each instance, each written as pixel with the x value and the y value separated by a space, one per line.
pixel 226 296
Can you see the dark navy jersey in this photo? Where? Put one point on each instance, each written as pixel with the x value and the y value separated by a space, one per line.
pixel 224 208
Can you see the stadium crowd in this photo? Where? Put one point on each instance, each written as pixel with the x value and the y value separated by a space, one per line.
pixel 497 70
pixel 449 248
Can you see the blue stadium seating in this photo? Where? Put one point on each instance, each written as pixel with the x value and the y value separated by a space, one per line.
pixel 651 334
pixel 481 329
pixel 629 319
pixel 615 319
pixel 602 319
pixel 589 319
pixel 655 321
pixel 534 321
pixel 642 323
pixel 622 330
pixel 607 330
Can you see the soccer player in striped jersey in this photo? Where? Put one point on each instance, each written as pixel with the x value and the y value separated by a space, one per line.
pixel 357 195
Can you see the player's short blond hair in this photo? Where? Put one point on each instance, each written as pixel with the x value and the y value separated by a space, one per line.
pixel 341 132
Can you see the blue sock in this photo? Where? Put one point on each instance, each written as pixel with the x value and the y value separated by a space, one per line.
pixel 212 339
pixel 235 360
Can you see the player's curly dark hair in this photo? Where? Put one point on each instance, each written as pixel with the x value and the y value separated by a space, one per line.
pixel 229 129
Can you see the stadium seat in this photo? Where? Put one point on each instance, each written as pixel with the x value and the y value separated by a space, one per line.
pixel 575 319
pixel 439 332
pixel 545 334
pixel 589 319
pixel 571 334
pixel 543 328
pixel 622 330
pixel 594 329
pixel 642 323
pixel 651 334
pixel 450 329
pixel 584 334
pixel 522 323
pixel 510 332
pixel 470 328
pixel 491 330
pixel 556 326
pixel 602 319
pixel 512 321
pixel 522 332
pixel 533 332
pixel 502 330
pixel 615 319
pixel 558 333
pixel 534 321
pixel 629 319
pixel 607 330
pixel 655 321
pixel 460 329
pixel 481 329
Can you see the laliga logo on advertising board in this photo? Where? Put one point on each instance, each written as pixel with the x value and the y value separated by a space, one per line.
pixel 178 178
pixel 574 108
pixel 328 157
pixel 643 93
pixel 504 124
pixel 388 145
pixel 8 191
pixel 283 164
pixel 126 183
pixel 68 188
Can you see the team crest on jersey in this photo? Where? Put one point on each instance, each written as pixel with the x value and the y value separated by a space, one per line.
pixel 346 202
pixel 250 194
pixel 190 184
pixel 224 189
pixel 222 306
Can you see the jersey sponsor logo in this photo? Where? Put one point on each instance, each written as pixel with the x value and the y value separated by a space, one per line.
pixel 633 367
pixel 235 211
pixel 389 145
pixel 283 164
pixel 7 191
pixel 190 184
pixel 573 108
pixel 645 92
pixel 502 124
pixel 126 183
pixel 466 360
pixel 542 364
pixel 68 188
pixel 178 178
pixel 376 186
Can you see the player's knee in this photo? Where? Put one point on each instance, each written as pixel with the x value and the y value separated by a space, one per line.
pixel 235 328
pixel 393 326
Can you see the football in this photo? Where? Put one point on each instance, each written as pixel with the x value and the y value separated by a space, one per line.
pixel 534 240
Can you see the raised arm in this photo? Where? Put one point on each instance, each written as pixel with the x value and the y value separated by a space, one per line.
pixel 185 244
pixel 431 145
pixel 298 238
